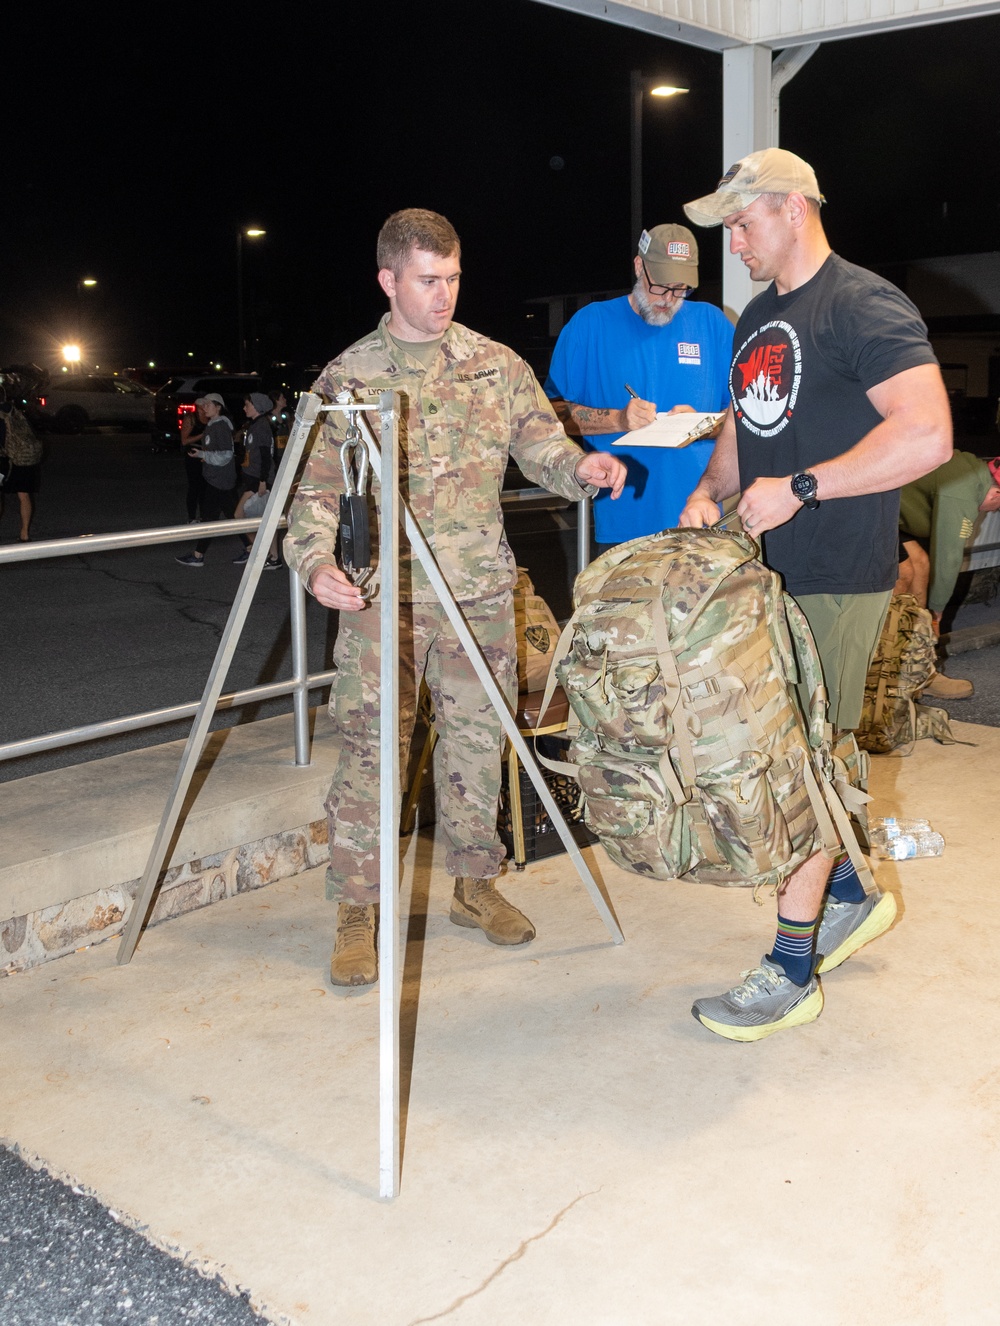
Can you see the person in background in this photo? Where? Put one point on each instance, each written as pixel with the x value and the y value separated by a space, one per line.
pixel 192 432
pixel 941 508
pixel 22 448
pixel 258 464
pixel 281 424
pixel 218 497
pixel 618 361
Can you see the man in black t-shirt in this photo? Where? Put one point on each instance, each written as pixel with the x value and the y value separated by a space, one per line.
pixel 836 400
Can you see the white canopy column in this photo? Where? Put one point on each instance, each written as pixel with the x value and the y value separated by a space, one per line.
pixel 746 127
pixel 746 32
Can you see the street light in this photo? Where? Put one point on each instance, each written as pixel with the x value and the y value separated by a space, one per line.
pixel 251 232
pixel 638 89
pixel 84 283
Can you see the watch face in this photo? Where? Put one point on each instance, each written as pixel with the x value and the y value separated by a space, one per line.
pixel 804 486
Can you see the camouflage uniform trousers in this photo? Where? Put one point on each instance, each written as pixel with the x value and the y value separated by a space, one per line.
pixel 470 737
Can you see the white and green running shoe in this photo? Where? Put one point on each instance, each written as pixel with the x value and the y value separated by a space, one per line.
pixel 764 1002
pixel 847 926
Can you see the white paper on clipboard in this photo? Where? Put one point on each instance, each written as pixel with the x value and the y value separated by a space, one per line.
pixel 673 430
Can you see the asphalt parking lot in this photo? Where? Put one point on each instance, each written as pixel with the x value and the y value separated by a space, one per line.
pixel 103 635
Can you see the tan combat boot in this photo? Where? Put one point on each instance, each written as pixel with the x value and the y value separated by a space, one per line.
pixel 479 906
pixel 354 960
pixel 941 687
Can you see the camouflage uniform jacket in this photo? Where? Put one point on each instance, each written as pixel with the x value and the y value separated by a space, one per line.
pixel 476 403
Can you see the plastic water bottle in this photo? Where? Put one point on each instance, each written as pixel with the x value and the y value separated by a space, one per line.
pixel 906 846
pixel 892 826
pixel 900 839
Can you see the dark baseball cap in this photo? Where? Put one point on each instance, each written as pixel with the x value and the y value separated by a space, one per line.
pixel 671 255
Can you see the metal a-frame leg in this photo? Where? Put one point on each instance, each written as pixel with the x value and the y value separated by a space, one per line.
pixel 305 417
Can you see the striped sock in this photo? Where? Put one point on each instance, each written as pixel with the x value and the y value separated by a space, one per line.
pixel 844 883
pixel 793 948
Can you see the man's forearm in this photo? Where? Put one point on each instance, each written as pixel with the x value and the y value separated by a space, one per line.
pixel 722 474
pixel 588 420
pixel 892 454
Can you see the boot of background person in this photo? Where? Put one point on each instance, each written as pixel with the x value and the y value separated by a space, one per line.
pixel 941 687
pixel 354 960
pixel 478 906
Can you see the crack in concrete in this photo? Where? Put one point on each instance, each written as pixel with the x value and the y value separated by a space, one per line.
pixel 507 1261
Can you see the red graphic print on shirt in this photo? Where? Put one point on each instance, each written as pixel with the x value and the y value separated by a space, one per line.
pixel 764 378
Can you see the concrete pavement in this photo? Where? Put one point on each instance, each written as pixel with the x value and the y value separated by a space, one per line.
pixel 577 1148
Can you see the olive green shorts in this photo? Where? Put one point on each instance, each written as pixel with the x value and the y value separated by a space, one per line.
pixel 846 628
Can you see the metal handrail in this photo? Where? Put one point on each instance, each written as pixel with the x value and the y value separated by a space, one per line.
pixel 82 545
pixel 154 717
pixel 298 685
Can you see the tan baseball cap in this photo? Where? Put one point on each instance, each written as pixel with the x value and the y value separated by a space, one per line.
pixel 771 171
pixel 670 254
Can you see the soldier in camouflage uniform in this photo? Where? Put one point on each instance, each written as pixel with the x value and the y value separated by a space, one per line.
pixel 467 403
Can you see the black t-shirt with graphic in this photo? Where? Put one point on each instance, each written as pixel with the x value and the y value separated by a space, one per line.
pixel 802 366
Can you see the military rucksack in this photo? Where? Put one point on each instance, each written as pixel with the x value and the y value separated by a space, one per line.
pixel 904 661
pixel 692 753
pixel 21 444
pixel 537 632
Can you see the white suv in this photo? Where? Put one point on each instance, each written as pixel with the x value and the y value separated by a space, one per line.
pixel 85 400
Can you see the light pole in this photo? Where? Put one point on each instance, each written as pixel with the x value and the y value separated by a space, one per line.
pixel 637 84
pixel 251 232
pixel 84 283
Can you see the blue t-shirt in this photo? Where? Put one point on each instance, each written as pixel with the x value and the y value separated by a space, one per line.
pixel 607 344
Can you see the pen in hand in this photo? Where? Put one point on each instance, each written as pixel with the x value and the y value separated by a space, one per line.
pixel 638 413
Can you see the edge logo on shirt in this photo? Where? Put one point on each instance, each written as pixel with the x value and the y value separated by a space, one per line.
pixel 764 378
pixel 688 352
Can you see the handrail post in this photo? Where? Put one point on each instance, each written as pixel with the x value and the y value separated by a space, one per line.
pixel 583 534
pixel 389 947
pixel 300 670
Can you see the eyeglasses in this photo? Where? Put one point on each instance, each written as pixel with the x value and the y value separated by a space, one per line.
pixel 678 291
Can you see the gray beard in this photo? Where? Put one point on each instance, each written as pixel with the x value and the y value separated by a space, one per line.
pixel 654 316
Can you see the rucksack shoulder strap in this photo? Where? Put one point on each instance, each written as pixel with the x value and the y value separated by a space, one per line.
pixel 809 669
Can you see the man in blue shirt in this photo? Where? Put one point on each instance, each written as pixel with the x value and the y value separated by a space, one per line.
pixel 672 353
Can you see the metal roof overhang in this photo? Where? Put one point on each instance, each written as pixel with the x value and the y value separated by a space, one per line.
pixel 745 32
pixel 719 25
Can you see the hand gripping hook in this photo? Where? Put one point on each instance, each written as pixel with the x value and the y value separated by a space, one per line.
pixel 355 531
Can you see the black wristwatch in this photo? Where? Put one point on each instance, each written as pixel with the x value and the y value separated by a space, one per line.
pixel 804 488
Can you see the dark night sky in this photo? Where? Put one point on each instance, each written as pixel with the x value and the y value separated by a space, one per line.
pixel 134 156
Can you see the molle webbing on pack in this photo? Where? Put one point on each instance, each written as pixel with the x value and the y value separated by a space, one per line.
pixel 680 664
pixel 905 660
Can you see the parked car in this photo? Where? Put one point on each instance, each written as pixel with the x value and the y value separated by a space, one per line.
pixel 86 400
pixel 152 378
pixel 176 398
pixel 22 381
